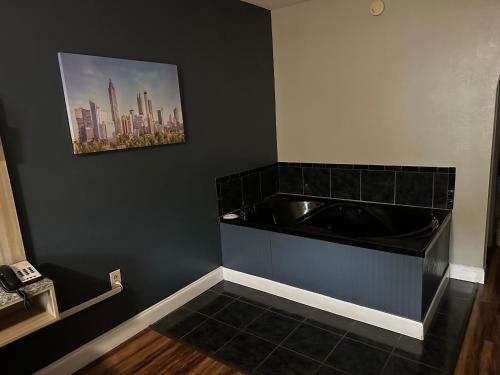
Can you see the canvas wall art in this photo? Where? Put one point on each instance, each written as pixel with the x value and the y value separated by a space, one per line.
pixel 116 104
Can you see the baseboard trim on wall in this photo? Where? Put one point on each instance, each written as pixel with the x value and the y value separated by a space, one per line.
pixel 94 349
pixel 374 317
pixel 467 273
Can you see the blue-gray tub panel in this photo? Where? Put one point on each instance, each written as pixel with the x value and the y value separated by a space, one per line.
pixel 376 279
pixel 384 281
pixel 246 250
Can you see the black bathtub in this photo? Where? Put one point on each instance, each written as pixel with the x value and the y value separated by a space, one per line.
pixel 387 227
pixel 386 257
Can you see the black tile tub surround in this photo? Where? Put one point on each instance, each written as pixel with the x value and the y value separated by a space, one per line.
pixel 432 187
pixel 269 181
pixel 246 187
pixel 251 187
pixel 291 180
pixel 345 184
pixel 316 181
pixel 231 197
pixel 440 198
pixel 266 334
pixel 414 188
pixel 377 186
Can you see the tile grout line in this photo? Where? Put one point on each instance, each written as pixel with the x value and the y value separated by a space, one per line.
pixel 418 362
pixel 268 308
pixel 324 363
pixel 206 316
pixel 242 329
pixel 395 186
pixel 279 344
pixel 302 354
pixel 260 185
pixel 360 185
pixel 433 182
pixel 389 356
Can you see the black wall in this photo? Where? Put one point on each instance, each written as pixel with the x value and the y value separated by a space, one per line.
pixel 151 212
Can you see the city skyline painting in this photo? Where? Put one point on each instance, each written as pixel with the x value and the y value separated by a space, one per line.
pixel 116 104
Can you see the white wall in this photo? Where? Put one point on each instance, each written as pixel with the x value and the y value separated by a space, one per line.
pixel 414 86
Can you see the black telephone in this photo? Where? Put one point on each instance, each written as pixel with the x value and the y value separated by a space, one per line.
pixel 13 277
pixel 8 279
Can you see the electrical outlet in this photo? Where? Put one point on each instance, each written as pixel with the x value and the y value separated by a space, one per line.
pixel 115 277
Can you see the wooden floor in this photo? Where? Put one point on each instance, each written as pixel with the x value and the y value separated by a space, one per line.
pixel 480 353
pixel 152 353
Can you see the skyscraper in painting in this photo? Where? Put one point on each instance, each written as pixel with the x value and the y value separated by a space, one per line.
pixel 176 116
pixel 148 117
pixel 114 107
pixel 139 104
pixel 160 116
pixel 95 112
pixel 84 123
pixel 152 124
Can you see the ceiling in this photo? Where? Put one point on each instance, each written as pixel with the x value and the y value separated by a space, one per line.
pixel 273 4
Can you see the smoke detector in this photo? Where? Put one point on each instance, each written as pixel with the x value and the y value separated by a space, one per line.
pixel 377 7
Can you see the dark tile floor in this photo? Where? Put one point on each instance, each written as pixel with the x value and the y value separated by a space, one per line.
pixel 261 333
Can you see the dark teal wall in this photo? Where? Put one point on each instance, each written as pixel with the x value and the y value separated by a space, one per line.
pixel 151 212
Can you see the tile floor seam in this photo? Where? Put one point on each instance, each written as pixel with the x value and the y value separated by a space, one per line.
pixel 324 329
pixel 419 362
pixel 214 313
pixel 367 344
pixel 199 312
pixel 324 363
pixel 287 316
pixel 214 292
pixel 241 330
pixel 363 343
pixel 296 352
pixel 390 355
pixel 278 346
pixel 299 353
pixel 305 355
pixel 261 306
pixel 195 327
pixel 228 341
pixel 261 338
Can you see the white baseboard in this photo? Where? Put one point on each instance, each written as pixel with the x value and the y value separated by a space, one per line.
pixel 94 349
pixel 101 345
pixel 374 317
pixel 467 273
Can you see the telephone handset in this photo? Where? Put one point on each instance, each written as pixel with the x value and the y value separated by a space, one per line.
pixel 8 279
pixel 13 277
